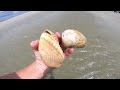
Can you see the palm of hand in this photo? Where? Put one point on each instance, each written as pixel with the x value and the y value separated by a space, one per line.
pixel 35 44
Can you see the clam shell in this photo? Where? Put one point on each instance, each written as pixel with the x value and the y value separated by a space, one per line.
pixel 73 38
pixel 50 50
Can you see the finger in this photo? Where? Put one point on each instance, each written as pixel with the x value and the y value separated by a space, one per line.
pixel 60 41
pixel 37 55
pixel 58 35
pixel 63 48
pixel 68 52
pixel 34 44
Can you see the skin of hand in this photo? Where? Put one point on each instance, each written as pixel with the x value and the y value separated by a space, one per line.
pixel 37 69
pixel 35 44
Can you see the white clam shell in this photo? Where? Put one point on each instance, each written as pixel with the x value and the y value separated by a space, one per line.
pixel 73 38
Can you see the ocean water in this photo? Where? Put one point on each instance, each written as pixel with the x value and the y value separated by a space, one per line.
pixel 4 15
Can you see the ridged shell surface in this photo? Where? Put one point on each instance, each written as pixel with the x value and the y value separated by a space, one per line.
pixel 50 50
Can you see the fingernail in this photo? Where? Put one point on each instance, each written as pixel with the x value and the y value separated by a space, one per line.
pixel 31 43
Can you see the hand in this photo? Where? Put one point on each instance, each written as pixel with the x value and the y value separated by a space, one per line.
pixel 37 69
pixel 35 44
pixel 67 51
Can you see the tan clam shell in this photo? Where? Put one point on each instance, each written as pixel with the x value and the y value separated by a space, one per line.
pixel 73 38
pixel 50 50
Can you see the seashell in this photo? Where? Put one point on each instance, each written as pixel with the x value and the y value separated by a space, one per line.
pixel 50 50
pixel 73 38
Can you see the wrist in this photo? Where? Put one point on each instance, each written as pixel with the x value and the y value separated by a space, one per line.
pixel 36 70
pixel 40 66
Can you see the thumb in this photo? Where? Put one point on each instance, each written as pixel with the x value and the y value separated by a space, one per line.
pixel 37 55
pixel 34 45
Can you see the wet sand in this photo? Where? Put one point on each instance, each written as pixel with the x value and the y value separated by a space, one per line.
pixel 99 59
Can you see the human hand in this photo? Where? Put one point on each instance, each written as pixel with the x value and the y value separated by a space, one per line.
pixel 35 44
pixel 38 68
pixel 67 51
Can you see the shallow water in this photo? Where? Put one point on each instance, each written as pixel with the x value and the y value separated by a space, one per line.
pixel 4 15
pixel 99 59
